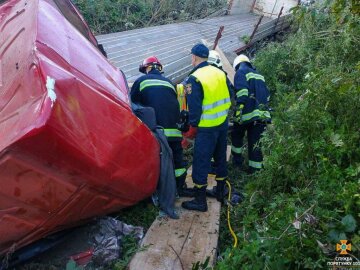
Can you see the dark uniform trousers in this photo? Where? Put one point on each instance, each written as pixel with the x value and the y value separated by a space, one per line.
pixel 211 142
pixel 254 131
pixel 179 163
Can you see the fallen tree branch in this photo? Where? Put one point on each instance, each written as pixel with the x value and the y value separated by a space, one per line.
pixel 303 214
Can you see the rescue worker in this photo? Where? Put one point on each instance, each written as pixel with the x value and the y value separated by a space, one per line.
pixel 251 113
pixel 215 60
pixel 156 91
pixel 209 102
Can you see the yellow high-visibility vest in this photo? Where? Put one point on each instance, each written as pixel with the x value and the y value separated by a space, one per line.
pixel 216 102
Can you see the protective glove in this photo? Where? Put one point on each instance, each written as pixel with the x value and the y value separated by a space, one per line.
pixel 238 114
pixel 191 134
pixel 188 137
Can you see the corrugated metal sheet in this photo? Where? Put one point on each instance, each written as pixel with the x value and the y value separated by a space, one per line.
pixel 172 43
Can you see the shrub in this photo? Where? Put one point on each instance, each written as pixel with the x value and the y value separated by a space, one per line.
pixel 109 16
pixel 307 198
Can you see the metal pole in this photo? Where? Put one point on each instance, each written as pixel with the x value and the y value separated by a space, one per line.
pixel 218 36
pixel 253 6
pixel 273 8
pixel 280 13
pixel 278 18
pixel 237 51
pixel 256 27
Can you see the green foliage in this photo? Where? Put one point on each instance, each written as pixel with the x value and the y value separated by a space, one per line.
pixel 339 230
pixel 71 265
pixel 308 196
pixel 202 266
pixel 108 16
pixel 142 214
pixel 129 247
pixel 246 39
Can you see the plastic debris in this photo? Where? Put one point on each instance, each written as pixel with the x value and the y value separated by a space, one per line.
pixel 107 240
pixel 83 258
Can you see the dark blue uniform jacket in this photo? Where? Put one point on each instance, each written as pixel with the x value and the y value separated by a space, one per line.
pixel 160 97
pixel 251 91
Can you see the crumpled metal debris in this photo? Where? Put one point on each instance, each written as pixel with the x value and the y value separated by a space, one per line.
pixel 108 238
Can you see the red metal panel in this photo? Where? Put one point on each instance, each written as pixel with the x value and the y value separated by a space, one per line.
pixel 70 147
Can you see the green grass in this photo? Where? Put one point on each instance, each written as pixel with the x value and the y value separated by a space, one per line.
pixel 142 214
pixel 129 248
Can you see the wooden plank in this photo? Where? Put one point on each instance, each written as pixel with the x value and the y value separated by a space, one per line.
pixel 211 180
pixel 226 65
pixel 178 244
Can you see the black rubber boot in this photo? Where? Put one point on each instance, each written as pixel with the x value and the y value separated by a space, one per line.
pixel 199 203
pixel 186 192
pixel 219 191
pixel 251 170
pixel 182 189
pixel 237 162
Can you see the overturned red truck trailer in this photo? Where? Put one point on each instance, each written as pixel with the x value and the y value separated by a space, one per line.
pixel 70 146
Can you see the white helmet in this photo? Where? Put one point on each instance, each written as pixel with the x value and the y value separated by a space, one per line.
pixel 239 59
pixel 214 59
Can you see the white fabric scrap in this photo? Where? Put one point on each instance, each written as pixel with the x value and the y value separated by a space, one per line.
pixel 50 86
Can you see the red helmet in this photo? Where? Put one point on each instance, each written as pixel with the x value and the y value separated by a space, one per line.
pixel 150 61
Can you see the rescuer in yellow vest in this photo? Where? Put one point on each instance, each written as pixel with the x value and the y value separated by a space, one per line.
pixel 208 101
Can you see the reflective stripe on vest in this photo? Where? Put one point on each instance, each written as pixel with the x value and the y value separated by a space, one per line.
pixel 255 76
pixel 172 132
pixel 216 102
pixel 256 113
pixel 214 116
pixel 154 82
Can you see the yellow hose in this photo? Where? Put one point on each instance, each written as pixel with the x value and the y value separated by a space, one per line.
pixel 228 216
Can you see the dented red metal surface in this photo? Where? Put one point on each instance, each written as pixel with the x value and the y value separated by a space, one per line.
pixel 70 147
